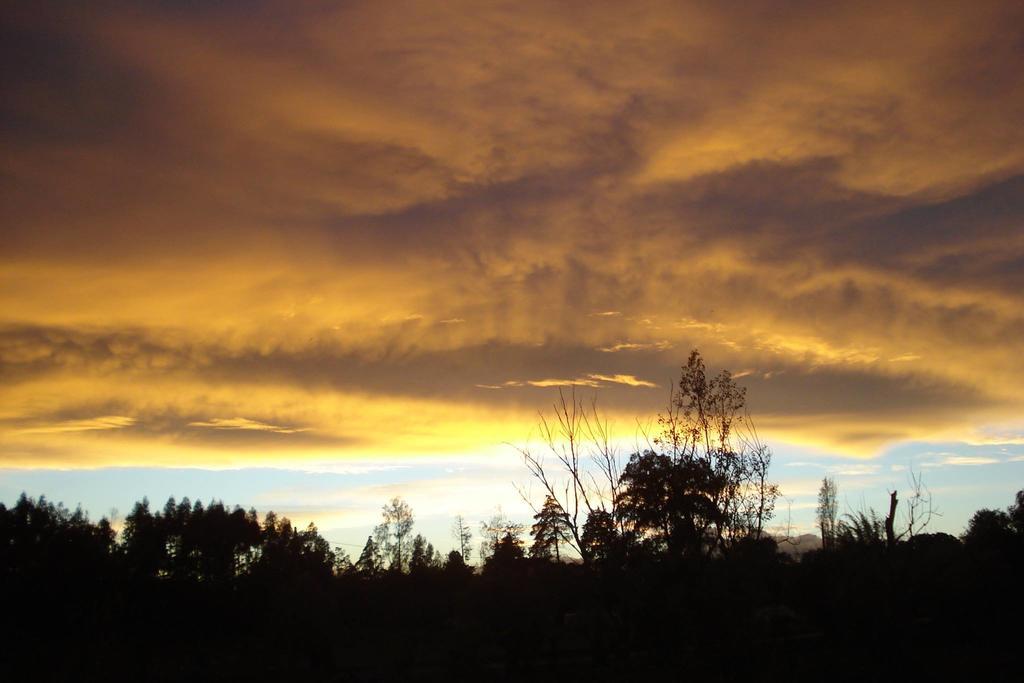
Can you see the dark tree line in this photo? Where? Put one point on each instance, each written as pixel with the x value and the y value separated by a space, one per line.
pixel 207 592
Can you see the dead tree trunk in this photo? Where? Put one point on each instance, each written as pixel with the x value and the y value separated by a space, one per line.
pixel 890 522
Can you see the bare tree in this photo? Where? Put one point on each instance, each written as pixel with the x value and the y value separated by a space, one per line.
pixel 756 496
pixel 918 508
pixel 463 535
pixel 585 477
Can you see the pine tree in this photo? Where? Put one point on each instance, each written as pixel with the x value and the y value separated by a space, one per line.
pixel 550 529
pixel 370 560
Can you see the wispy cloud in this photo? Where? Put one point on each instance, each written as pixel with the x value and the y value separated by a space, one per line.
pixel 87 425
pixel 592 380
pixel 628 380
pixel 579 382
pixel 970 460
pixel 636 346
pixel 242 423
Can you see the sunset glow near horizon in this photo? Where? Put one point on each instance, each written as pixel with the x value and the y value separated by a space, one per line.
pixel 305 256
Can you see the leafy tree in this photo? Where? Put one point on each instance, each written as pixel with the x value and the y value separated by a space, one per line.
pixel 723 469
pixel 601 536
pixel 668 503
pixel 370 562
pixel 392 534
pixel 423 557
pixel 342 562
pixel 39 538
pixel 549 531
pixel 286 552
pixel 1016 514
pixel 996 533
pixel 144 541
pixel 455 565
pixel 494 530
pixel 508 553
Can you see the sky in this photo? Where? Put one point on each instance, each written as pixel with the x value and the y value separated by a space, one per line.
pixel 310 255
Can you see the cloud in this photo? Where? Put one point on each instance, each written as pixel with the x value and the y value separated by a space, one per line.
pixel 244 424
pixel 628 380
pixel 543 383
pixel 383 218
pixel 591 380
pixel 87 425
pixel 970 460
pixel 634 346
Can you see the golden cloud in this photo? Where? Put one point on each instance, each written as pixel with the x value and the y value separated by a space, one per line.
pixel 335 239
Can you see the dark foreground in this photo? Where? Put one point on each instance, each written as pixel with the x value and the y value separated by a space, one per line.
pixel 930 609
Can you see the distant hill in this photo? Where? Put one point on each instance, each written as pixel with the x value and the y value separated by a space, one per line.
pixel 799 545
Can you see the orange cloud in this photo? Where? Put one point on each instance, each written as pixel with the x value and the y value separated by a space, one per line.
pixel 249 243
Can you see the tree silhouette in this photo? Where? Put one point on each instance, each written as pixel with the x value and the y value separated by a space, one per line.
pixel 144 541
pixel 828 511
pixel 997 533
pixel 59 571
pixel 392 534
pixel 601 537
pixel 668 503
pixel 702 485
pixel 508 554
pixel 863 529
pixel 370 562
pixel 585 477
pixel 423 557
pixel 549 531
pixel 494 530
pixel 463 535
pixel 719 463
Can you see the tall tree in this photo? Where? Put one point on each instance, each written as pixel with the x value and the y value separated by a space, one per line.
pixel 828 512
pixel 463 535
pixel 392 534
pixel 601 536
pixel 143 540
pixel 370 561
pixel 585 476
pixel 549 531
pixel 422 555
pixel 707 432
